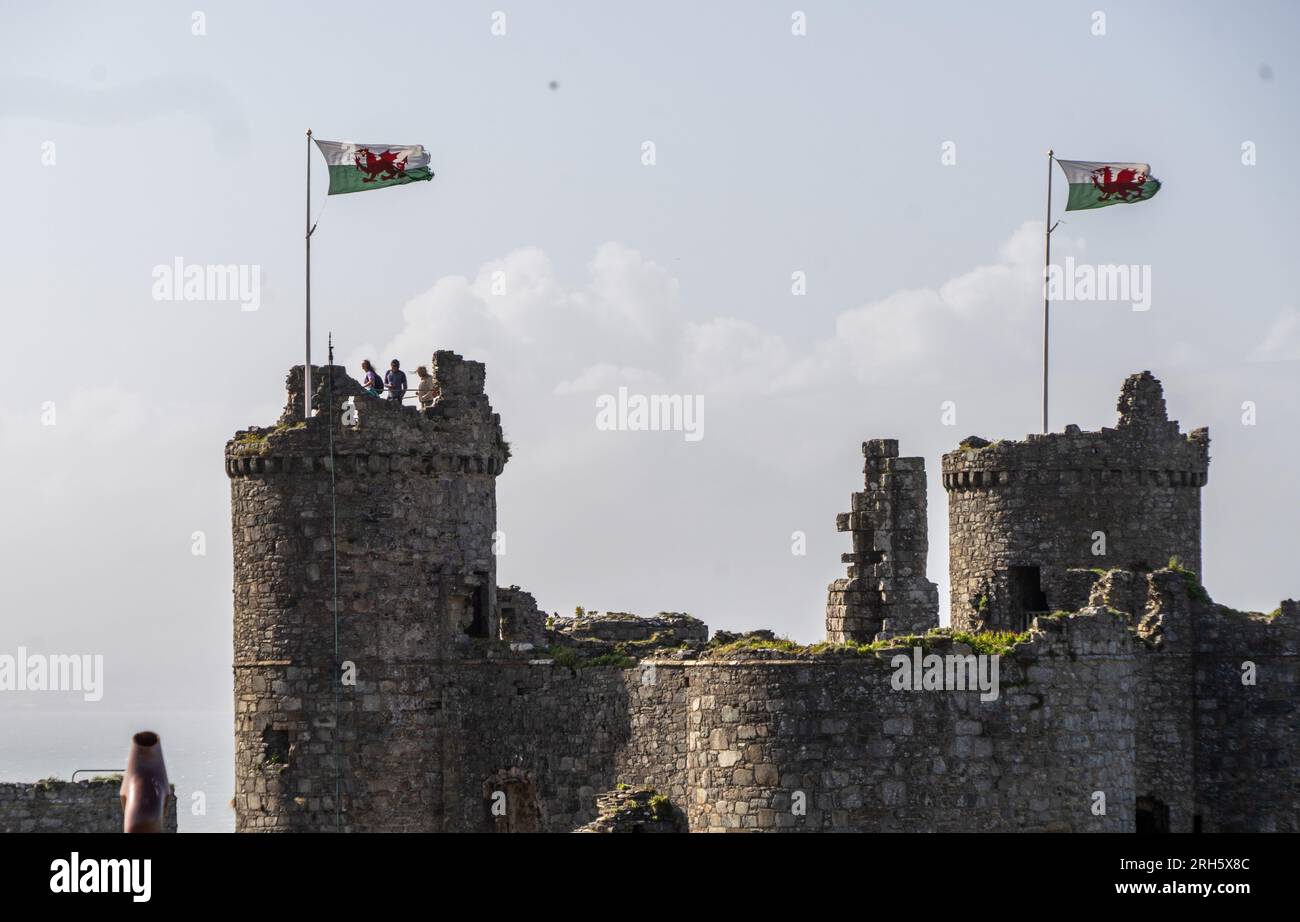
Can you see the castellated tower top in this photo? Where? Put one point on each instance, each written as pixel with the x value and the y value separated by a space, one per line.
pixel 460 432
pixel 1022 514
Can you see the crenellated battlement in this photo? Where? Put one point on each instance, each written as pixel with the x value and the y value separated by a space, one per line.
pixel 458 434
pixel 977 476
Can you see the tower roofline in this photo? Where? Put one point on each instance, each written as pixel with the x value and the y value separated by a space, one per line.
pixel 1143 446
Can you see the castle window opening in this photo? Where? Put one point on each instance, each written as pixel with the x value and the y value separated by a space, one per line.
pixel 478 625
pixel 1152 815
pixel 1024 585
pixel 521 810
pixel 275 747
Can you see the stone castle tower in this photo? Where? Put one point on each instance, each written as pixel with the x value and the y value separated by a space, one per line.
pixel 1023 514
pixel 414 496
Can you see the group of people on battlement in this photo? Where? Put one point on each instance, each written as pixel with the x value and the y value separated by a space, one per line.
pixel 393 386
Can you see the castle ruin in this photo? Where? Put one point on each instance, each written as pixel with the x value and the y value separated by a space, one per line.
pixel 411 693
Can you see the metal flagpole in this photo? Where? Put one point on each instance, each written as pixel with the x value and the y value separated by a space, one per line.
pixel 1047 264
pixel 306 368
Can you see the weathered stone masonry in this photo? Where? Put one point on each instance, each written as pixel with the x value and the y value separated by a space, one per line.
pixel 886 592
pixel 94 805
pixel 462 701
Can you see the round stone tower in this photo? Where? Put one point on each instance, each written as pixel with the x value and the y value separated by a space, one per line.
pixel 338 711
pixel 1022 514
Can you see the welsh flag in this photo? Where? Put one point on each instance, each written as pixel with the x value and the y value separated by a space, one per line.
pixel 357 167
pixel 1096 185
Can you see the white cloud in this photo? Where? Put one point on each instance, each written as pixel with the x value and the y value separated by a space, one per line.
pixel 777 410
pixel 1282 341
pixel 626 325
pixel 730 356
pixel 604 378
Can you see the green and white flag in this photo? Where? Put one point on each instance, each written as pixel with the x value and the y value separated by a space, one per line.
pixel 1096 185
pixel 357 167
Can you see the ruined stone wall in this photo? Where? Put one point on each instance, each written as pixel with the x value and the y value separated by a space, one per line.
pixel 1165 780
pixel 552 738
pixel 415 504
pixel 520 619
pixel 1247 735
pixel 67 806
pixel 1039 503
pixel 544 736
pixel 667 628
pixel 885 592
pixel 657 753
pixel 1095 702
pixel 1214 754
pixel 866 757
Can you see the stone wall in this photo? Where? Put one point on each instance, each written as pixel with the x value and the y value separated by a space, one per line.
pixel 1021 514
pixel 1214 753
pixel 551 739
pixel 886 592
pixel 520 619
pixel 865 757
pixel 545 736
pixel 1247 735
pixel 67 806
pixel 1165 755
pixel 1143 707
pixel 668 629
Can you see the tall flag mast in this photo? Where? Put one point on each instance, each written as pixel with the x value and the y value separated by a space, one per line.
pixel 306 367
pixel 1047 264
pixel 1093 184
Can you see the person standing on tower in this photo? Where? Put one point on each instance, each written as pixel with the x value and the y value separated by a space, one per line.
pixel 426 391
pixel 370 380
pixel 395 380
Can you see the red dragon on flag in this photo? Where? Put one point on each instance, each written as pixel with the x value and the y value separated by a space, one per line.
pixel 1126 185
pixel 383 165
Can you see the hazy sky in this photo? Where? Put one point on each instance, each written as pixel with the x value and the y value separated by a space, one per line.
pixel 128 141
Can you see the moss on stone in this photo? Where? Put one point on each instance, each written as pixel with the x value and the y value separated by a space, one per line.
pixel 992 643
pixel 661 808
pixel 1194 587
pixel 615 660
pixel 571 658
pixel 751 642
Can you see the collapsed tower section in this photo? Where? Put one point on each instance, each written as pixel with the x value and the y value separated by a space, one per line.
pixel 885 592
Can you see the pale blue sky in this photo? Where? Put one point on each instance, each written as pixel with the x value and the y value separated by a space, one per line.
pixel 775 153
